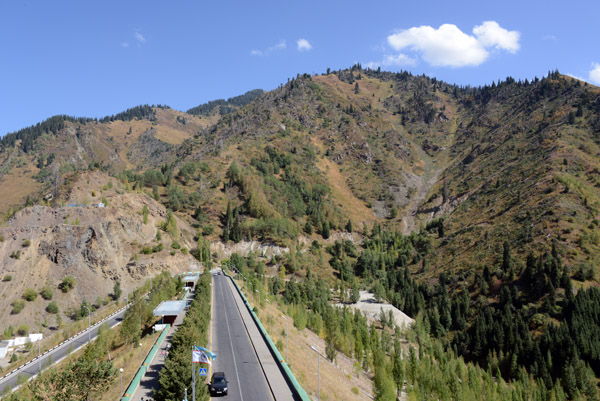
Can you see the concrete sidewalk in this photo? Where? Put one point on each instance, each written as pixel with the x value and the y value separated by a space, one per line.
pixel 279 387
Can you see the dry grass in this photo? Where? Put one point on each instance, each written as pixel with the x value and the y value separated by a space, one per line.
pixel 16 186
pixel 337 379
pixel 351 206
pixel 125 356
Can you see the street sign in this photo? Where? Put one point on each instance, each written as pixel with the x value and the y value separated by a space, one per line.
pixel 202 371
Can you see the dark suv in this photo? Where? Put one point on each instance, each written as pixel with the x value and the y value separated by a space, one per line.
pixel 218 384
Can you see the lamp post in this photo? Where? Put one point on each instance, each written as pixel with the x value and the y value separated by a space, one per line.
pixel 140 344
pixel 319 363
pixel 121 370
pixel 286 338
pixel 40 353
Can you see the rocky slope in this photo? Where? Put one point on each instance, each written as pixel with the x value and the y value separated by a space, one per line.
pixel 98 246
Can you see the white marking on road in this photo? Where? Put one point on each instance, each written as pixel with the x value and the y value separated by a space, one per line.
pixel 237 374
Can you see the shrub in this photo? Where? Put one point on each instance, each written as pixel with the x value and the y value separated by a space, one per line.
pixel 23 330
pixel 30 294
pixel 14 358
pixel 9 331
pixel 18 306
pixel 146 250
pixel 208 229
pixel 8 277
pixel 184 250
pixel 157 248
pixel 1 237
pixel 52 308
pixel 16 254
pixel 47 293
pixel 67 283
pixel 175 245
pixel 145 214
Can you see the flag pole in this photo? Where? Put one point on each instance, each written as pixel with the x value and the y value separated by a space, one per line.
pixel 193 376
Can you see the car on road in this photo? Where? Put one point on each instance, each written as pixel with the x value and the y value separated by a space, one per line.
pixel 218 384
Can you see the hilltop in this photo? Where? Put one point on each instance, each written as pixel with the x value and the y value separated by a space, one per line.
pixel 439 198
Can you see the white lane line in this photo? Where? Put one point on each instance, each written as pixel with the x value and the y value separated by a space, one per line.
pixel 237 373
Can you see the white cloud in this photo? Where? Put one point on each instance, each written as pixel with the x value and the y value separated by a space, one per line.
pixel 398 60
pixel 303 45
pixel 139 37
pixel 281 45
pixel 448 46
pixel 490 34
pixel 595 74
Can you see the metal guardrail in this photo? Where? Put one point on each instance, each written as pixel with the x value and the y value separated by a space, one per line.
pixel 297 388
pixel 62 343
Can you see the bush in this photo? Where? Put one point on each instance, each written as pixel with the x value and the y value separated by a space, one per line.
pixel 18 306
pixel 157 248
pixel 23 330
pixel 208 229
pixel 67 283
pixel 8 277
pixel 26 243
pixel 175 245
pixel 16 254
pixel 52 308
pixel 47 293
pixel 184 250
pixel 146 250
pixel 14 358
pixel 30 294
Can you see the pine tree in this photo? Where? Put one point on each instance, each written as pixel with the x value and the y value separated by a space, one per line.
pixel 326 231
pixel 398 368
pixel 349 226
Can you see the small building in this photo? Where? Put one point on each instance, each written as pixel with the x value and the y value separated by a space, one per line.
pixel 168 311
pixel 190 280
pixel 3 348
pixel 7 345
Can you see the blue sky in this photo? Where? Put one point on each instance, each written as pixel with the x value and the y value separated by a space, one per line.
pixel 96 58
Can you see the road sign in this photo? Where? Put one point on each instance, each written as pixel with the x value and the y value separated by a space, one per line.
pixel 202 371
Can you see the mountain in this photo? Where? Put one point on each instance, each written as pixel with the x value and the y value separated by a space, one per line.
pixel 443 199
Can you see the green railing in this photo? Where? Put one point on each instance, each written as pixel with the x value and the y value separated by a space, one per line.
pixel 142 370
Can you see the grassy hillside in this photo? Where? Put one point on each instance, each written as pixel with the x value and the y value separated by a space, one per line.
pixel 467 199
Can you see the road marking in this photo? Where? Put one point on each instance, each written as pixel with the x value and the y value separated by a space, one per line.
pixel 237 373
pixel 237 306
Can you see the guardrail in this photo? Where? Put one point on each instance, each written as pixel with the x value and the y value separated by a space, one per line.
pixel 289 376
pixel 62 343
pixel 135 382
pixel 25 365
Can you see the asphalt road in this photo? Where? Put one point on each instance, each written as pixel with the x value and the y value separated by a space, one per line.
pixel 236 355
pixel 56 354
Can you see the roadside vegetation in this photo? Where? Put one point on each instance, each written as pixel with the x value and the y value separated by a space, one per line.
pixel 175 376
